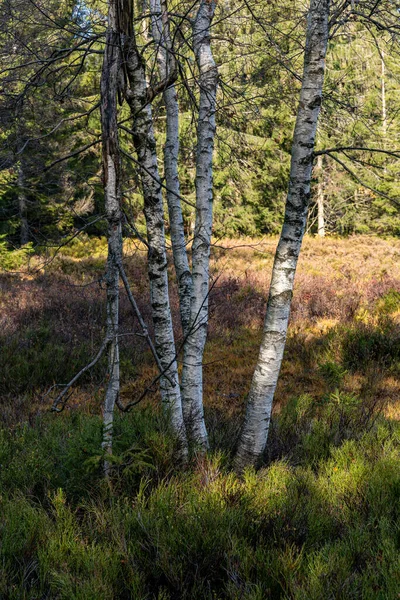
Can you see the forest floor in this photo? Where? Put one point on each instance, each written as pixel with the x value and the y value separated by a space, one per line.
pixel 321 519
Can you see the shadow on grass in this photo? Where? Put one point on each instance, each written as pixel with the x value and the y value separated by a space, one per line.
pixel 320 519
pixel 321 522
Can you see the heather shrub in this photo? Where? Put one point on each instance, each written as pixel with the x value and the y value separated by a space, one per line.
pixel 319 519
pixel 64 451
pixel 367 345
pixel 296 528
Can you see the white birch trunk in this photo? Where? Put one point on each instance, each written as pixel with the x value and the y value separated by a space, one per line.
pixel 145 145
pixel 192 374
pixel 111 175
pixel 255 431
pixel 166 62
pixel 320 198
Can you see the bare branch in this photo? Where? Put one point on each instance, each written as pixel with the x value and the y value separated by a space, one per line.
pixel 156 179
pixel 191 330
pixel 141 321
pixel 76 153
pixel 366 186
pixel 395 153
pixel 59 400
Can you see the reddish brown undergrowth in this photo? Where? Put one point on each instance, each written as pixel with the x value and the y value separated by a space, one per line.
pixel 52 322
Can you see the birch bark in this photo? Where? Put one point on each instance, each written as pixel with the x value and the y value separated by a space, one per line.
pixel 166 63
pixel 255 431
pixel 145 146
pixel 111 176
pixel 192 374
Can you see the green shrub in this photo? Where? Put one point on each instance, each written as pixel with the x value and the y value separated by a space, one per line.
pixel 322 522
pixel 366 346
pixel 11 260
pixel 389 303
pixel 23 528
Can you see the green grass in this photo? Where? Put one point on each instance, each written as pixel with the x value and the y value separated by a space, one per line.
pixel 319 520
pixel 322 521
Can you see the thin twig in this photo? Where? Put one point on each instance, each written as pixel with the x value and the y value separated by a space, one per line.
pixel 156 179
pixel 361 182
pixel 75 153
pixel 59 399
pixel 395 153
pixel 192 329
pixel 141 322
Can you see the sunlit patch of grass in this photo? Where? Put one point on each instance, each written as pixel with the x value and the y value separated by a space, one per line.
pixel 320 518
pixel 306 523
pixel 340 288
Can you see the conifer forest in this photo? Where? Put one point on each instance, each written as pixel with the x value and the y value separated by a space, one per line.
pixel 199 299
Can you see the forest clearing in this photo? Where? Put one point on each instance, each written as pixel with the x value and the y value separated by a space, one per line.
pixel 199 300
pixel 317 520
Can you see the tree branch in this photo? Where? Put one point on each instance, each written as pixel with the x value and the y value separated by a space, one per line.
pixel 141 321
pixel 192 329
pixel 374 190
pixel 150 173
pixel 76 153
pixel 395 153
pixel 59 400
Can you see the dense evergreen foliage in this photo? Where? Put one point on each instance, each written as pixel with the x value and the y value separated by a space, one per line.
pixel 170 427
pixel 49 111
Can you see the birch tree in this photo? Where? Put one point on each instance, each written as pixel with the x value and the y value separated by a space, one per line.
pixel 193 287
pixel 111 182
pixel 255 431
pixel 167 65
pixel 192 374
pixel 139 96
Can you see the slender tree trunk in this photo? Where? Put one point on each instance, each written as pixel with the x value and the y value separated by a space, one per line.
pixel 145 145
pixel 255 431
pixel 111 176
pixel 320 198
pixel 383 89
pixel 192 374
pixel 22 206
pixel 166 62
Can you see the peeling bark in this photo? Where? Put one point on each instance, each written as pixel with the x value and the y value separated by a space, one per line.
pixel 145 146
pixel 192 374
pixel 255 431
pixel 166 64
pixel 111 177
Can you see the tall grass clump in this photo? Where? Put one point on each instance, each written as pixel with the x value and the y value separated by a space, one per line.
pixel 321 519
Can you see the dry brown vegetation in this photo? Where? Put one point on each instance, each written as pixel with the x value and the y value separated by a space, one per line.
pixel 52 318
pixel 320 519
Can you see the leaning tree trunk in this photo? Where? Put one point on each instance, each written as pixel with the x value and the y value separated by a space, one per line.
pixel 255 431
pixel 145 146
pixel 192 373
pixel 111 176
pixel 167 63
